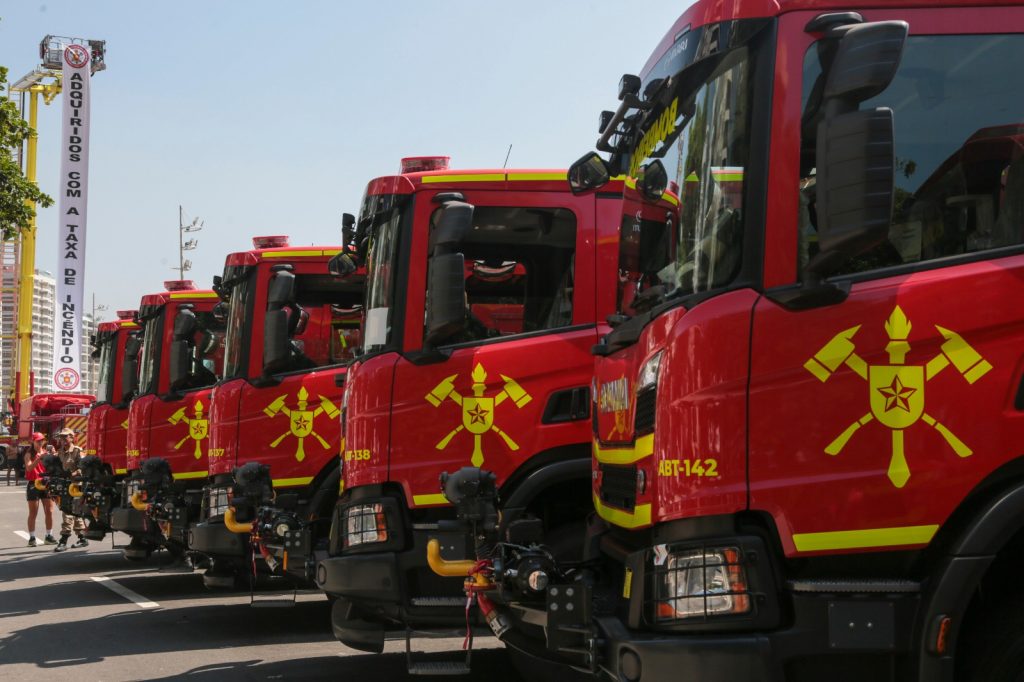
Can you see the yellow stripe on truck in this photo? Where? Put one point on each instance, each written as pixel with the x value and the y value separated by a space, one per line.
pixel 860 539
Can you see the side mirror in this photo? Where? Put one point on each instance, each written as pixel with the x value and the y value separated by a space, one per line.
pixel 588 173
pixel 281 291
pixel 653 180
pixel 180 364
pixel 218 281
pixel 446 297
pixel 348 229
pixel 130 368
pixel 446 276
pixel 454 224
pixel 276 341
pixel 855 149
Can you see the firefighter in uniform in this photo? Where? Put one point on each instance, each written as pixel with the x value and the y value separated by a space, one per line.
pixel 70 457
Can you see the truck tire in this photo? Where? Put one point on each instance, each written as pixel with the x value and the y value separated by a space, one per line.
pixel 994 650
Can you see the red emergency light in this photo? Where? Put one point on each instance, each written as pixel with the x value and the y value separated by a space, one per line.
pixel 419 164
pixel 126 314
pixel 273 241
pixel 179 285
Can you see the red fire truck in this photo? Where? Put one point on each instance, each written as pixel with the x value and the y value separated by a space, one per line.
pixel 108 418
pixel 48 413
pixel 108 421
pixel 292 327
pixel 484 292
pixel 179 358
pixel 776 496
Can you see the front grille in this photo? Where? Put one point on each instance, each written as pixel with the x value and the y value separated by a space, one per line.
pixel 618 486
pixel 644 420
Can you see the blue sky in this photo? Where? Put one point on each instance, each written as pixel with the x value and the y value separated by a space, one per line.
pixel 269 118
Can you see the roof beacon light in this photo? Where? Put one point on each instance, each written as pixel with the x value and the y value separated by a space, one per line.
pixel 272 241
pixel 179 285
pixel 420 164
pixel 126 314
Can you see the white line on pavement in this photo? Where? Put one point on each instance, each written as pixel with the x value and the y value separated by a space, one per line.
pixel 21 534
pixel 134 597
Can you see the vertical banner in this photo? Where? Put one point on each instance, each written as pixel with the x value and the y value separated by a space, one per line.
pixel 74 175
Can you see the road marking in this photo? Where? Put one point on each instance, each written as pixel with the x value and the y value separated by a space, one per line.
pixel 21 534
pixel 137 599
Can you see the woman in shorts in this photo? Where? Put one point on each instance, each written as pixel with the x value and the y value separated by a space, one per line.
pixel 33 471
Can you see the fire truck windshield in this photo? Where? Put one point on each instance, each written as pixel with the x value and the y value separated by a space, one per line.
pixel 699 129
pixel 152 342
pixel 238 325
pixel 382 216
pixel 108 354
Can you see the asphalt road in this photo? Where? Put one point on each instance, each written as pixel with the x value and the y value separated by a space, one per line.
pixel 89 614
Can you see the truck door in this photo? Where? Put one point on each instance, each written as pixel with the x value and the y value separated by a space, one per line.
pixel 871 418
pixel 515 381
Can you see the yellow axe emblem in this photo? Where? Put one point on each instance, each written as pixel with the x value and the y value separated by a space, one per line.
pixel 198 428
pixel 301 419
pixel 896 390
pixel 478 411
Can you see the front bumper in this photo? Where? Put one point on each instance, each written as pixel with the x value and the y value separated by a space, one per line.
pixel 388 585
pixel 361 576
pixel 130 520
pixel 213 539
pixel 636 657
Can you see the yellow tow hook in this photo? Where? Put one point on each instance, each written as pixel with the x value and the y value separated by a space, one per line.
pixel 75 490
pixel 235 526
pixel 451 569
pixel 137 503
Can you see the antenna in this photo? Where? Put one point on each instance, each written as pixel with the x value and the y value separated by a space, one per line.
pixel 505 165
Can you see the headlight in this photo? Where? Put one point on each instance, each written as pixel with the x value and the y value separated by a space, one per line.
pixel 649 373
pixel 700 583
pixel 364 523
pixel 217 501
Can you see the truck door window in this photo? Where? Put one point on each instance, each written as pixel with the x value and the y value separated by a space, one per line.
pixel 958 106
pixel 207 349
pixel 519 271
pixel 333 310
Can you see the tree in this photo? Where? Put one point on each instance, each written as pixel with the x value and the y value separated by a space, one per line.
pixel 15 189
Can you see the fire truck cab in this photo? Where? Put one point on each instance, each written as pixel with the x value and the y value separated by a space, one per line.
pixel 108 421
pixel 485 291
pixel 292 328
pixel 179 358
pixel 805 444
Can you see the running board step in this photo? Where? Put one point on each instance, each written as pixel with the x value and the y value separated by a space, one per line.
pixel 438 601
pixel 439 668
pixel 854 586
pixel 436 667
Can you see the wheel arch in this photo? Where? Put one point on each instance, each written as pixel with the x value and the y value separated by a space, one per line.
pixel 976 538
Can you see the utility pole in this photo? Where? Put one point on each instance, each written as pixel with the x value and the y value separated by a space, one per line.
pixel 195 226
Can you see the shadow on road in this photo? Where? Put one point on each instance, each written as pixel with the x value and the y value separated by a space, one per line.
pixel 491 665
pixel 162 631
